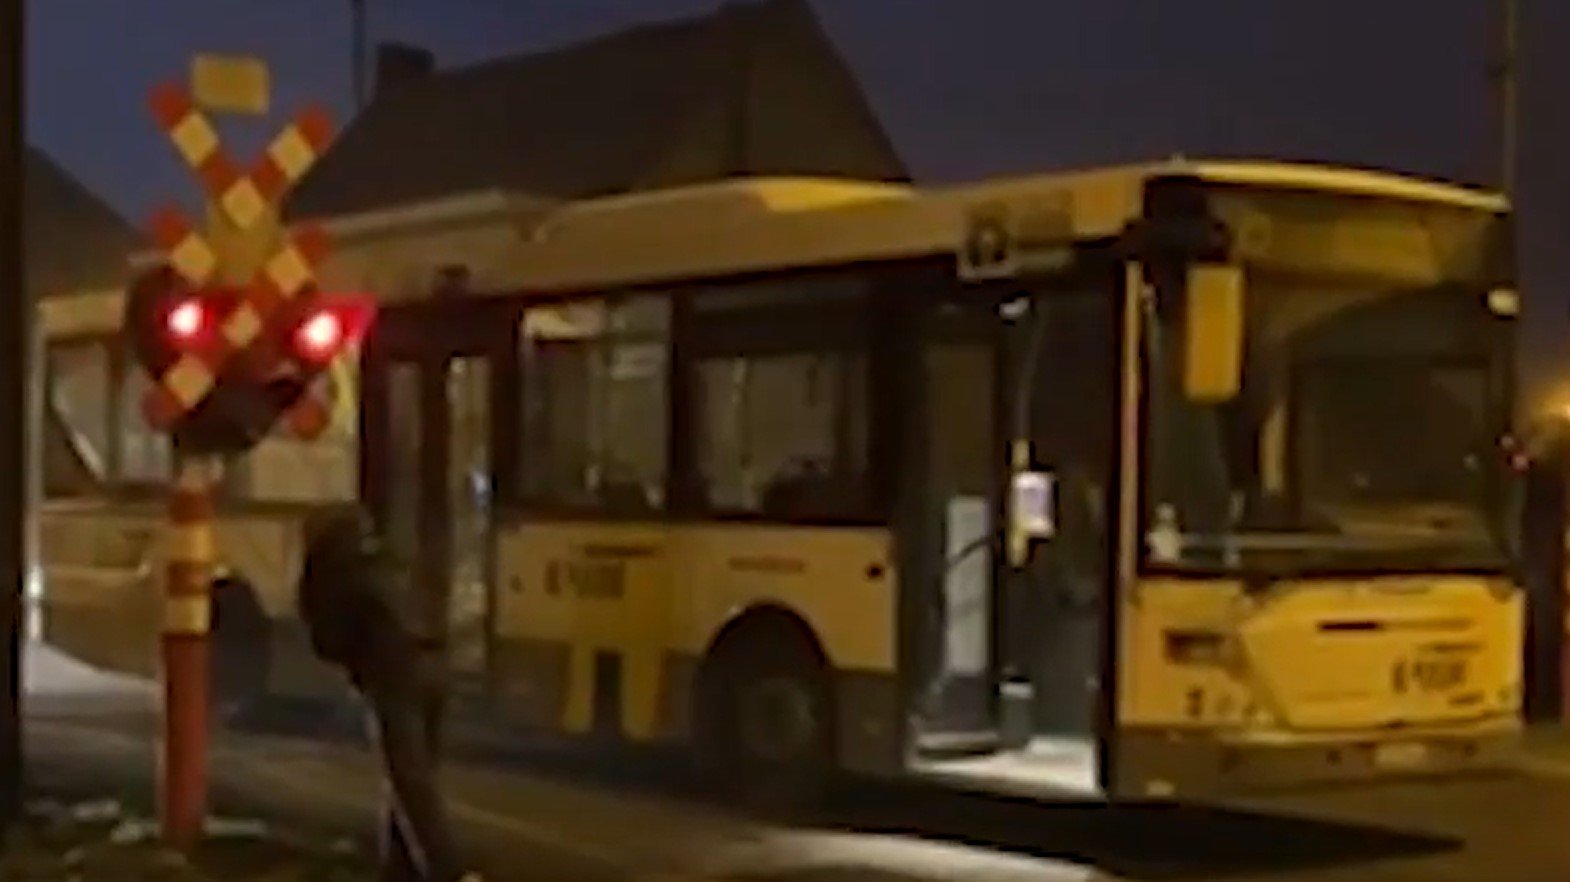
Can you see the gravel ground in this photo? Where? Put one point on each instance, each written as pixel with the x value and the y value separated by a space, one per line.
pixel 102 842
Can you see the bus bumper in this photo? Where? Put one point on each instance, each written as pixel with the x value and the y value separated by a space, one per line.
pixel 1163 764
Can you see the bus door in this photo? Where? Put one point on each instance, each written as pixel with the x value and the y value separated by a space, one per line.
pixel 1013 655
pixel 953 608
pixel 428 467
pixel 1054 592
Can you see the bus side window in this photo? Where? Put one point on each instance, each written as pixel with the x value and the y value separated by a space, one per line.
pixel 780 391
pixel 76 417
pixel 595 405
pixel 145 456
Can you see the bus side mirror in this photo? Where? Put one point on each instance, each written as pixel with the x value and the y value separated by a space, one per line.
pixel 1213 333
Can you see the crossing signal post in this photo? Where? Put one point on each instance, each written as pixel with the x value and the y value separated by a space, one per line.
pixel 237 339
pixel 240 397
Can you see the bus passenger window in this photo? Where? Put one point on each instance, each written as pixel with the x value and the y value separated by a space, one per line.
pixel 594 408
pixel 145 456
pixel 784 435
pixel 76 417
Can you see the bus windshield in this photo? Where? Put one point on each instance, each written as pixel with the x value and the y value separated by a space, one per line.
pixel 1367 436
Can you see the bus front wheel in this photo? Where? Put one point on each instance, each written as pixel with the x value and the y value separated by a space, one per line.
pixel 767 721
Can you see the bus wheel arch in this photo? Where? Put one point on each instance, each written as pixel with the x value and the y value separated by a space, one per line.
pixel 241 646
pixel 764 710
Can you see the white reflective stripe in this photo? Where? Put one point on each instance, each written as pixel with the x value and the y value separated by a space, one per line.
pixel 195 138
pixel 292 153
pixel 192 543
pixel 243 202
pixel 193 258
pixel 289 271
pixel 189 380
pixel 243 326
pixel 188 614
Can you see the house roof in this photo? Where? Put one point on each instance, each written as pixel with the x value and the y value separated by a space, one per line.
pixel 755 88
pixel 72 239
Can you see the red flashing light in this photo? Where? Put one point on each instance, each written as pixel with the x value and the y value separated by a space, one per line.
pixel 186 320
pixel 327 327
pixel 320 336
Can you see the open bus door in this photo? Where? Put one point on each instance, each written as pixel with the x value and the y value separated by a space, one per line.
pixel 1022 386
pixel 434 371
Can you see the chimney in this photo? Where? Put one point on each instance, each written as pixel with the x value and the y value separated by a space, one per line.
pixel 399 64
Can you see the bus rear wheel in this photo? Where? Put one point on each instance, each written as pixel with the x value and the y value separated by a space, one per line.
pixel 768 724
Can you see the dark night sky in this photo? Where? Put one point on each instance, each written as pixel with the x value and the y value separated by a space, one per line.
pixel 966 87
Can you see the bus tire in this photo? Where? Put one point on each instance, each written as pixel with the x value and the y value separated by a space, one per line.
pixel 241 652
pixel 767 719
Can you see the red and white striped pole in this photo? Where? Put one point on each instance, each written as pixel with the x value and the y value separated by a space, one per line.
pixel 186 625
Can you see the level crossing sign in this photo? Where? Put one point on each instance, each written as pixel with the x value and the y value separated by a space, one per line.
pixel 235 335
pixel 231 332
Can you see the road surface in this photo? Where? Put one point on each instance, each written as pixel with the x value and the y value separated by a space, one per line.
pixel 538 814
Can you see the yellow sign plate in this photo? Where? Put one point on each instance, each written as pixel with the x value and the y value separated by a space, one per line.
pixel 231 84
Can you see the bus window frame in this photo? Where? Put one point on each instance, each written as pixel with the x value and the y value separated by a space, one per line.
pixel 104 344
pixel 120 367
pixel 780 329
pixel 511 386
pixel 430 333
pixel 888 305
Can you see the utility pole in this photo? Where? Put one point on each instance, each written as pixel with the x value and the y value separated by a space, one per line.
pixel 1505 84
pixel 357 25
pixel 15 346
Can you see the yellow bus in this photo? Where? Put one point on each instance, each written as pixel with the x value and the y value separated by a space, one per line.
pixel 1157 481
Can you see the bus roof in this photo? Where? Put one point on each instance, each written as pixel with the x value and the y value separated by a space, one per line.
pixel 774 223
pixel 513 243
pixel 1334 179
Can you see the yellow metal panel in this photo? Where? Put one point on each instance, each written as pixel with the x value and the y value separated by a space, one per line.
pixel 764 223
pixel 231 84
pixel 840 580
pixel 1152 691
pixel 189 380
pixel 1352 182
pixel 646 590
pixel 1319 656
pixel 243 326
pixel 598 588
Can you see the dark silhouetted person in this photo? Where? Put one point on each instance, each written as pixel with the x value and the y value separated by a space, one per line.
pixel 360 606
